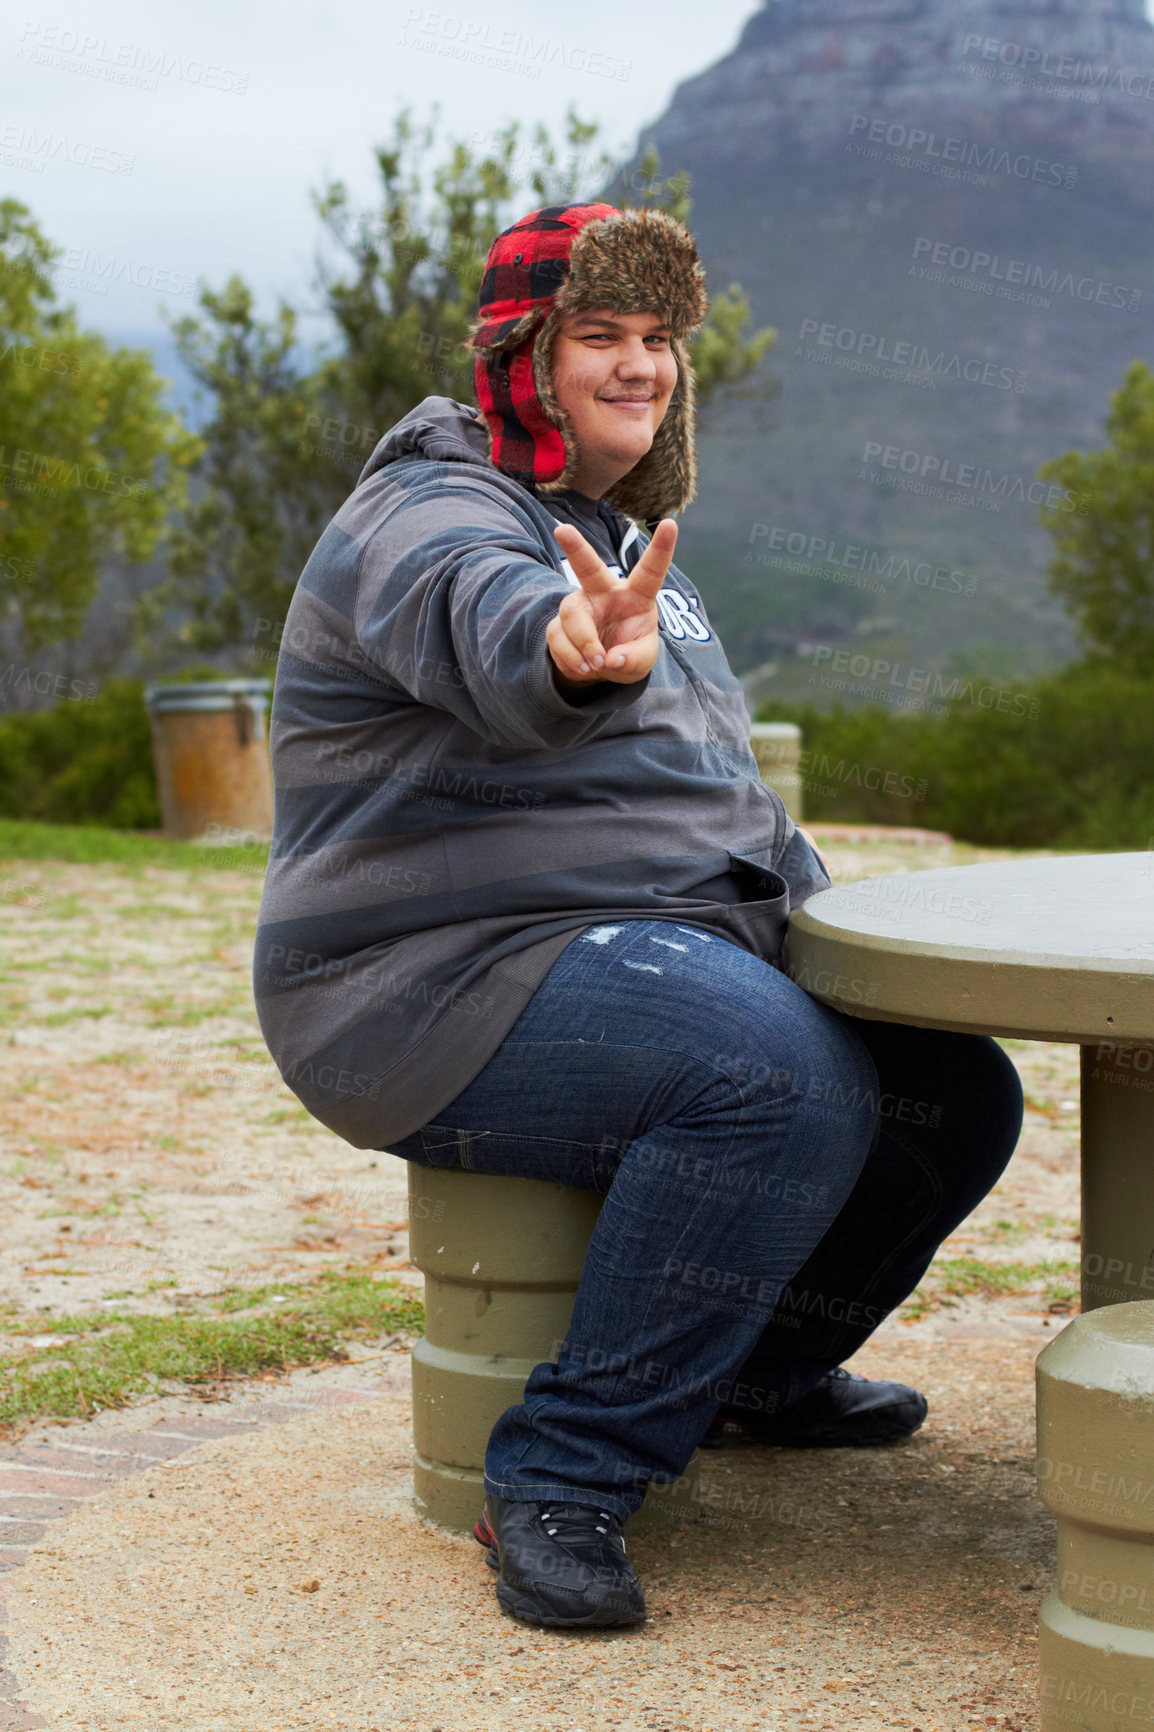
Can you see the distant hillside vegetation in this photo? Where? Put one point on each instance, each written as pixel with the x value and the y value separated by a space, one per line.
pixel 946 211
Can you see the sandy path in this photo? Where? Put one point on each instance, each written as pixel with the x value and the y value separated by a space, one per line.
pixel 890 1591
pixel 150 1153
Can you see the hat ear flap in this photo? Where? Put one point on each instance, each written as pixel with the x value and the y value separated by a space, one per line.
pixel 488 339
pixel 524 442
pixel 550 405
pixel 665 479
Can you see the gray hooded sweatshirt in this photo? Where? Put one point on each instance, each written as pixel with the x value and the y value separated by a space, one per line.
pixel 446 822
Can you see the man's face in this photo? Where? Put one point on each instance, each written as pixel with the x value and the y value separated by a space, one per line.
pixel 614 374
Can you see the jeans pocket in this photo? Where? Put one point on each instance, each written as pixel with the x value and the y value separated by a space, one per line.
pixel 446 1146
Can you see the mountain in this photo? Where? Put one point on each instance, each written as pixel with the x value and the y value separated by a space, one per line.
pixel 945 211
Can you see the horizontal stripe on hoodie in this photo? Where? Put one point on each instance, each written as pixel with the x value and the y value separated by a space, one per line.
pixel 446 822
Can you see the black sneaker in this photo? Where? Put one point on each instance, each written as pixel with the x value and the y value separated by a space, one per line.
pixel 845 1411
pixel 560 1564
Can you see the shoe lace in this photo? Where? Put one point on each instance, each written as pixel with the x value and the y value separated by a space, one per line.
pixel 579 1523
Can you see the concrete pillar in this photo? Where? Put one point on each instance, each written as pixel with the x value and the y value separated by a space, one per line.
pixel 1117 1162
pixel 777 748
pixel 501 1260
pixel 1096 1472
pixel 210 745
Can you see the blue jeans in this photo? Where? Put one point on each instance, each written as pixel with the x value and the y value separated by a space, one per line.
pixel 777 1178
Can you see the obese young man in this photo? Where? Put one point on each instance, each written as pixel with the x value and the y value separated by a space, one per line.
pixel 526 914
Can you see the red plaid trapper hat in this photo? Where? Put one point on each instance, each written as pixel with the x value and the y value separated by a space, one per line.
pixel 525 268
pixel 568 258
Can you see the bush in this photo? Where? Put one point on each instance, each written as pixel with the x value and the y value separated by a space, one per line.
pixel 1068 768
pixel 82 763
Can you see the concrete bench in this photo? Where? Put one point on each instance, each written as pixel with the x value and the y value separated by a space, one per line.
pixel 1058 949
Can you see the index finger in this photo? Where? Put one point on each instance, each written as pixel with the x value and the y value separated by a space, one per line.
pixel 589 568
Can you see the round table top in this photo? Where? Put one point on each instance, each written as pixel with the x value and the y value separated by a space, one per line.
pixel 1060 948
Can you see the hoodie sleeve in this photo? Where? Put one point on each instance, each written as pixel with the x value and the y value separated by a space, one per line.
pixel 804 875
pixel 453 599
pixel 799 865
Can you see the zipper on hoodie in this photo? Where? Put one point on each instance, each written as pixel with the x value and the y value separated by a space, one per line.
pixel 697 684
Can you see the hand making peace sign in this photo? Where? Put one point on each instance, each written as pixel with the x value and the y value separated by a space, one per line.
pixel 607 629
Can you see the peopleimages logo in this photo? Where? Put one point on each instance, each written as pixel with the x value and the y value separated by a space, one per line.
pixel 1088 1696
pixel 944 473
pixel 473 40
pixel 810 553
pixel 1044 63
pixel 40 360
pixel 81 267
pixel 46 684
pixel 942 150
pixel 869 347
pixel 994 274
pixel 889 682
pixel 24 147
pixel 127 63
pixel 39 471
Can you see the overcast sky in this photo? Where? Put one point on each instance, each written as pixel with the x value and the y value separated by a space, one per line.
pixel 184 145
pixel 160 147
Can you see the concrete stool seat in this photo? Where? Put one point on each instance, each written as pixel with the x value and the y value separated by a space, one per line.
pixel 1096 1472
pixel 777 748
pixel 501 1260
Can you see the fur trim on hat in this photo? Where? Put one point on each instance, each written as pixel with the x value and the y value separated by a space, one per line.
pixel 631 261
pixel 642 261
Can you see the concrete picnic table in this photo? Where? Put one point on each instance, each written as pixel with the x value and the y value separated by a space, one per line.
pixel 1054 949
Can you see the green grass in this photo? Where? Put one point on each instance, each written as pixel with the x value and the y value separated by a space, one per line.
pixel 968 1278
pixel 1013 1232
pixel 114 1356
pixel 88 845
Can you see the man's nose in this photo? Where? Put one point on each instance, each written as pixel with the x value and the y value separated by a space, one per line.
pixel 638 361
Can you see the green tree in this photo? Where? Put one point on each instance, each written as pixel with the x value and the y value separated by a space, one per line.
pixel 289 434
pixel 91 462
pixel 266 484
pixel 401 281
pixel 1103 567
pixel 1067 765
pixel 87 760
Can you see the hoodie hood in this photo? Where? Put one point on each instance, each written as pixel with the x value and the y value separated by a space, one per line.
pixel 440 429
pixel 564 259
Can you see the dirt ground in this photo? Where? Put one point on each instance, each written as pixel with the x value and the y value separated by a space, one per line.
pixel 150 1153
pixel 280 1582
pixel 150 1156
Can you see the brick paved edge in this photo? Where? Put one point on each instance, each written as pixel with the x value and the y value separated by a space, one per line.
pixel 44 1480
